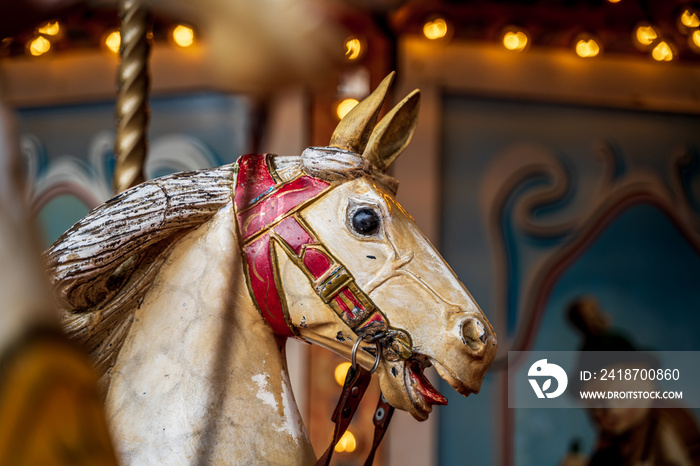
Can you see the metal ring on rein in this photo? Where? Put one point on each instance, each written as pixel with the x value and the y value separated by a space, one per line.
pixel 375 339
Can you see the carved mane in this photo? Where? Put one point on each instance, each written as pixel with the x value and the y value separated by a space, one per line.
pixel 103 266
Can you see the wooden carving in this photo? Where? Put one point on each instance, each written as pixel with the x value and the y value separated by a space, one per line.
pixel 184 288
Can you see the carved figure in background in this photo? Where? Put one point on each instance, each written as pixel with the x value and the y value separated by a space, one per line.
pixel 656 434
pixel 185 288
pixel 595 326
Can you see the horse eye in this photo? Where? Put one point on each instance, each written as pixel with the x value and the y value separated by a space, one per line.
pixel 365 221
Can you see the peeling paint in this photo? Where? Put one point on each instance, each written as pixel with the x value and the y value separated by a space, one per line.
pixel 292 424
pixel 264 395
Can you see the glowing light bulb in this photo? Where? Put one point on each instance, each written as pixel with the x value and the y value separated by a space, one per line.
pixel 353 48
pixel 696 38
pixel 587 48
pixel 646 35
pixel 49 28
pixel 662 52
pixel 345 106
pixel 341 371
pixel 515 40
pixel 113 41
pixel 614 1
pixel 183 35
pixel 690 19
pixel 347 443
pixel 39 46
pixel 435 29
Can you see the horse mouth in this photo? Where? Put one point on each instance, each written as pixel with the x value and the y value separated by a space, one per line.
pixel 420 391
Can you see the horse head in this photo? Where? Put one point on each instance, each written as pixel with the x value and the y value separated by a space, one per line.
pixel 353 269
pixel 147 281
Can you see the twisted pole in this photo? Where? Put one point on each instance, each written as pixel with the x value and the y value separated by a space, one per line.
pixel 133 83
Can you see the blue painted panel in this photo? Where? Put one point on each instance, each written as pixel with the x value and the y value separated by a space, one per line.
pixel 71 147
pixel 640 267
pixel 645 275
pixel 57 216
pixel 221 121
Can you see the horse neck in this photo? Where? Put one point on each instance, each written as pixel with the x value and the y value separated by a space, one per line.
pixel 200 377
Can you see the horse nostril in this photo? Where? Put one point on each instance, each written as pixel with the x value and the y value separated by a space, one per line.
pixel 474 334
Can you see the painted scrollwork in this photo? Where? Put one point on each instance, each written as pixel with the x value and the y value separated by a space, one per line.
pixel 89 179
pixel 529 193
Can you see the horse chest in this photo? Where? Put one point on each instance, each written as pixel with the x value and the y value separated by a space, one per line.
pixel 200 378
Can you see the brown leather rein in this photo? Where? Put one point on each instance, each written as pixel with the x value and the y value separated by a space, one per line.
pixel 356 382
pixel 267 217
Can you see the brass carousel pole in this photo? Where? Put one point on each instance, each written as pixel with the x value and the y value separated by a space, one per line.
pixel 133 82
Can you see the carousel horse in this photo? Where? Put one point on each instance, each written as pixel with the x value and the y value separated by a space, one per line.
pixel 185 288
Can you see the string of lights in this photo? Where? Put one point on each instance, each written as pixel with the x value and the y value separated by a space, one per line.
pixel 647 35
pixel 81 31
pixel 665 31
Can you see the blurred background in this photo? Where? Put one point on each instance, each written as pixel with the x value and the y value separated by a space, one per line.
pixel 555 162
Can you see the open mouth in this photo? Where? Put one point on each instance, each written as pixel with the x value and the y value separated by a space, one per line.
pixel 421 392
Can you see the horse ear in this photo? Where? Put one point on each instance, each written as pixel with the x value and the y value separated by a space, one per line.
pixel 394 132
pixel 354 129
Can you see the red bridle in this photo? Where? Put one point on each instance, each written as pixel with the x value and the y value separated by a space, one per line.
pixel 267 212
